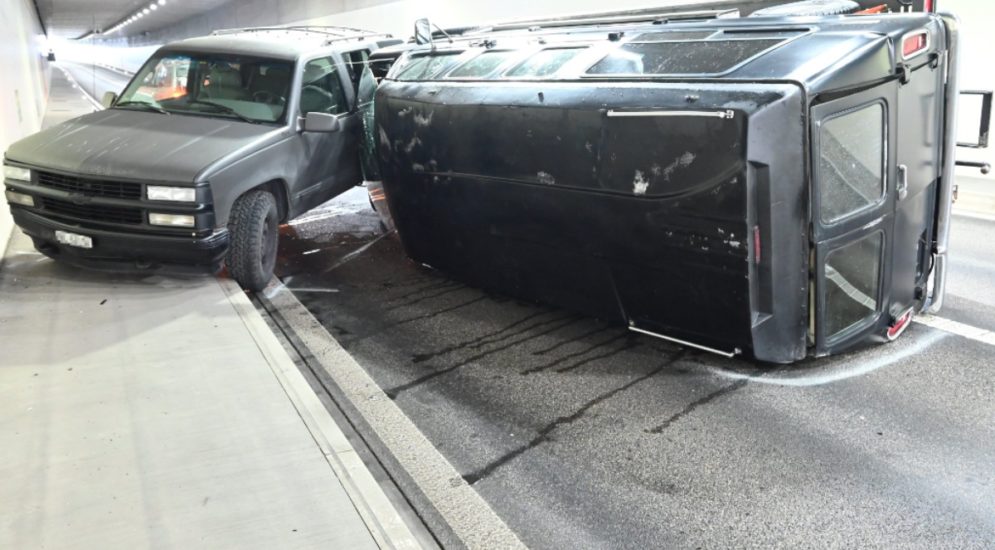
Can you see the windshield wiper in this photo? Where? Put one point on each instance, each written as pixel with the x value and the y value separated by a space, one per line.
pixel 225 109
pixel 145 104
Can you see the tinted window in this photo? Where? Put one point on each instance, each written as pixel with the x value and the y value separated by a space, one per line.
pixel 698 57
pixel 851 161
pixel 321 89
pixel 482 65
pixel 423 67
pixel 852 283
pixel 544 63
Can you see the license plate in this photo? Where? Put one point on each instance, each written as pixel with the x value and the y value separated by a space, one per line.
pixel 72 239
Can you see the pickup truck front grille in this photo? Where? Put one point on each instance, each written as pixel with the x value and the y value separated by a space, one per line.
pixel 91 212
pixel 90 187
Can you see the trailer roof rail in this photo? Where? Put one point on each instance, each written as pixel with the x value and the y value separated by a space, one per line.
pixel 615 17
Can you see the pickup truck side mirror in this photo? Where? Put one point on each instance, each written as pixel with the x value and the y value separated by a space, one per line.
pixel 108 99
pixel 321 122
pixel 423 31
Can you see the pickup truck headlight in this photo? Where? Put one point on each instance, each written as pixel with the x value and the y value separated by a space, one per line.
pixel 171 220
pixel 14 197
pixel 172 194
pixel 16 173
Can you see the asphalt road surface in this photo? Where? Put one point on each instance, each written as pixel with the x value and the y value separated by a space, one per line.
pixel 583 435
pixel 96 80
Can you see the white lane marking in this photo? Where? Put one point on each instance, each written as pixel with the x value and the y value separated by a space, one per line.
pixel 884 356
pixel 314 290
pixel 982 335
pixel 355 253
pixel 468 515
pixel 381 518
pixel 93 101
pixel 974 215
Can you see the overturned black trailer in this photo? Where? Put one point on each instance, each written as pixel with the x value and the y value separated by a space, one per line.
pixel 778 187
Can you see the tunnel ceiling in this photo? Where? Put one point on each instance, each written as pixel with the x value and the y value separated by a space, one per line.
pixel 76 18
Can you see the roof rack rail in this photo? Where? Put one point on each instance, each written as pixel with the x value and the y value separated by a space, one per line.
pixel 338 33
pixel 617 17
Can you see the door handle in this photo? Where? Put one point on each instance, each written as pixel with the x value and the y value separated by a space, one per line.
pixel 902 187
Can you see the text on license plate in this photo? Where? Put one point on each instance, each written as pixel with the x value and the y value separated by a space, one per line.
pixel 72 239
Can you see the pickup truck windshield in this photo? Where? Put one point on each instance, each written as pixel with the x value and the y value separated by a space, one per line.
pixel 249 89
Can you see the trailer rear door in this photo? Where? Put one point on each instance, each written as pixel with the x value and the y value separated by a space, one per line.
pixel 852 215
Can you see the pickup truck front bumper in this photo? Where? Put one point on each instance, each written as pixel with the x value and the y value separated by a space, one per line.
pixel 121 251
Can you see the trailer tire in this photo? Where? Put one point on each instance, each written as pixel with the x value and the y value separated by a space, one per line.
pixel 809 7
pixel 254 229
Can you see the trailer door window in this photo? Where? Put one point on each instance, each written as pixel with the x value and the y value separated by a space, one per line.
pixel 851 162
pixel 852 284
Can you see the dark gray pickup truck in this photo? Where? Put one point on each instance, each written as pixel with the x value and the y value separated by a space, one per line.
pixel 214 143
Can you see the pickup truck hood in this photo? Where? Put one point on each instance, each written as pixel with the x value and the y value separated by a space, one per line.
pixel 122 143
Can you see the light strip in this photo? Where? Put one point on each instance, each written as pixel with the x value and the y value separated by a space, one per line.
pixel 154 5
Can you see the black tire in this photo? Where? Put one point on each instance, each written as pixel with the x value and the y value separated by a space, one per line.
pixel 809 7
pixel 254 229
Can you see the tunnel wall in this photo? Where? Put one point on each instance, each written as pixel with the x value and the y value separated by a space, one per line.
pixel 25 75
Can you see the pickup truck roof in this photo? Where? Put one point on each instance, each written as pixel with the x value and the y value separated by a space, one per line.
pixel 282 42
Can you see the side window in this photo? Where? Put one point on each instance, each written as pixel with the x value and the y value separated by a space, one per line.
pixel 356 63
pixel 851 162
pixel 425 66
pixel 544 63
pixel 482 65
pixel 321 88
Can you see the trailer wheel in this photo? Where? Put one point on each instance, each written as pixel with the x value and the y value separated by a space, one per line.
pixel 254 229
pixel 809 7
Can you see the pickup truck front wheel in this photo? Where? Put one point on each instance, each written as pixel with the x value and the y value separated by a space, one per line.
pixel 254 229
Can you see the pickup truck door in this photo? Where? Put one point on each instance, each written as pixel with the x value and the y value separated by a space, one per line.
pixel 330 160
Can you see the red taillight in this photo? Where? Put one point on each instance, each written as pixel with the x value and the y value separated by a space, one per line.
pixel 898 327
pixel 756 244
pixel 927 6
pixel 913 44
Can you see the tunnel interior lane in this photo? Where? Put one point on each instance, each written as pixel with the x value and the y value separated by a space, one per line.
pixel 581 434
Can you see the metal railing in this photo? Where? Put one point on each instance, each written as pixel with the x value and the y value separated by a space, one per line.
pixel 335 33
